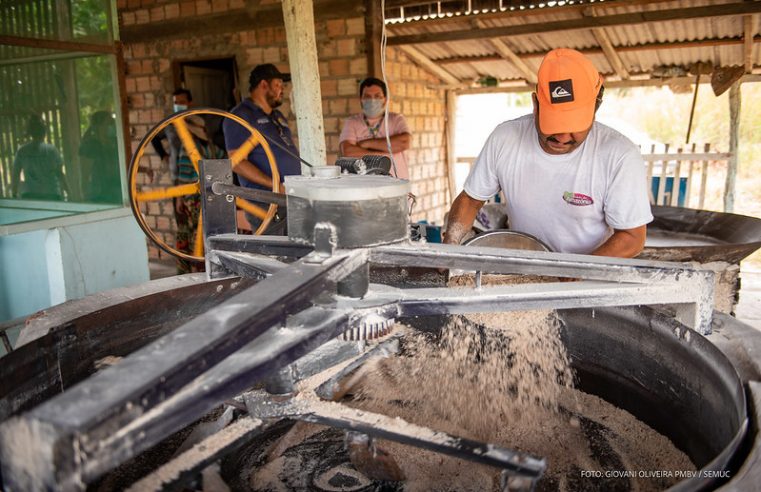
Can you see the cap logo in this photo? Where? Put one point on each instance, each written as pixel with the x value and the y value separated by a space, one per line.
pixel 561 91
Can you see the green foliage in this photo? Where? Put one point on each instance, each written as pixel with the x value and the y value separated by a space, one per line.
pixel 90 20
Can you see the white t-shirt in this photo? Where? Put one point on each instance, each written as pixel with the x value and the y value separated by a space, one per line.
pixel 573 201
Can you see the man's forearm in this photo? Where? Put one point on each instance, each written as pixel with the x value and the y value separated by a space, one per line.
pixel 252 173
pixel 624 243
pixel 399 143
pixel 353 150
pixel 461 217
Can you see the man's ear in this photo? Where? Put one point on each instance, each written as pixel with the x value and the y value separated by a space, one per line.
pixel 535 102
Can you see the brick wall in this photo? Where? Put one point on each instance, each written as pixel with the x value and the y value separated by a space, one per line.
pixel 342 64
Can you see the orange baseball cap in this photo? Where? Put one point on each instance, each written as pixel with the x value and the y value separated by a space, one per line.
pixel 566 89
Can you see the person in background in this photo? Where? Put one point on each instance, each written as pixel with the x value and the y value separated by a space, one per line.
pixel 260 111
pixel 187 208
pixel 166 143
pixel 573 183
pixel 365 133
pixel 99 156
pixel 41 164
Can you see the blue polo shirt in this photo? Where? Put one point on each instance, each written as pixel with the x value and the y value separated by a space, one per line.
pixel 274 127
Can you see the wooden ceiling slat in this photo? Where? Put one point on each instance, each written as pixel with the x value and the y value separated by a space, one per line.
pixel 749 25
pixel 643 17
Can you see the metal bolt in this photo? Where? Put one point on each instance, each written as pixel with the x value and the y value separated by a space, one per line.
pixel 210 199
pixel 228 176
pixel 208 177
pixel 229 198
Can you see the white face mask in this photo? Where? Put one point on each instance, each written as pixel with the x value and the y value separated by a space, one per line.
pixel 372 107
pixel 179 107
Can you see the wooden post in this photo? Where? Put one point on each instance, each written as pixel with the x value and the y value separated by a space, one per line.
pixel 689 178
pixel 704 176
pixel 650 177
pixel 676 188
pixel 373 29
pixel 450 132
pixel 734 140
pixel 660 199
pixel 302 55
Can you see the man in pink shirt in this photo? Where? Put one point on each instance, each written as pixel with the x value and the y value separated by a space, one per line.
pixel 365 133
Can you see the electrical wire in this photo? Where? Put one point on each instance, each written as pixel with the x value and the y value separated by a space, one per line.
pixel 384 40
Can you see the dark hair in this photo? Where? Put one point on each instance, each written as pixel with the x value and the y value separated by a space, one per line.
pixel 36 127
pixel 183 91
pixel 373 81
pixel 598 100
pixel 265 71
pixel 99 118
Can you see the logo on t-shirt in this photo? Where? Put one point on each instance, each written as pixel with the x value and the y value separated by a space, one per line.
pixel 577 199
pixel 561 91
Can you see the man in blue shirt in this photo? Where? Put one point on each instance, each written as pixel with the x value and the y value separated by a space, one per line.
pixel 260 111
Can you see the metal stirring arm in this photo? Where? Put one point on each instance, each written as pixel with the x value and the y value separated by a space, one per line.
pixel 394 429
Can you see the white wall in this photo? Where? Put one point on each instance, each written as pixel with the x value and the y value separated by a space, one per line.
pixel 69 258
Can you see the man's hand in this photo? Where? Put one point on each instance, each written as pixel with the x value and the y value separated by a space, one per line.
pixel 461 217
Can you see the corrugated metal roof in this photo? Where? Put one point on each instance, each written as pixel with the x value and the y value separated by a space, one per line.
pixel 638 45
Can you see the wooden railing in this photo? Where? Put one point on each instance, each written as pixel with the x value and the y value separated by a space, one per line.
pixel 680 178
pixel 674 178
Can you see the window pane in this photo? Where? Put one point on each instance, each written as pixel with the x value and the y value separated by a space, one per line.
pixel 58 132
pixel 79 20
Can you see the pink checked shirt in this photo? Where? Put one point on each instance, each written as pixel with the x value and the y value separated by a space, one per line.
pixel 356 130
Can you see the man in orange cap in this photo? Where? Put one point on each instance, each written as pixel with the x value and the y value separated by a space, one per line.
pixel 576 184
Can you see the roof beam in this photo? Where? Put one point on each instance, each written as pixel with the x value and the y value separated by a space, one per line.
pixel 509 55
pixel 613 84
pixel 596 51
pixel 518 13
pixel 426 62
pixel 610 53
pixel 748 38
pixel 740 8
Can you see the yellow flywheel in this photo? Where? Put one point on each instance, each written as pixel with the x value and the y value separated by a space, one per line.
pixel 153 193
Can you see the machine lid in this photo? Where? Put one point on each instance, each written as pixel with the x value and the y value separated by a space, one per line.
pixel 344 188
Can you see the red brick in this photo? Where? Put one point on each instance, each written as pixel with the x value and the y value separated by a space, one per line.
pixel 358 66
pixel 133 4
pixel 322 67
pixel 147 66
pixel 172 10
pixel 328 87
pixel 335 28
pixel 130 85
pixel 142 16
pixel 187 9
pixel 136 101
pixel 134 67
pixel 237 4
pixel 355 26
pixel 128 18
pixel 220 5
pixel 347 47
pixel 203 7
pixel 327 49
pixel 157 14
pixel 142 84
pixel 347 87
pixel 121 4
pixel 338 67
